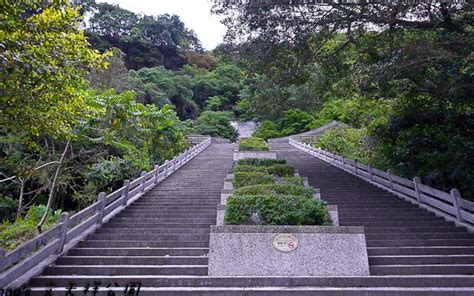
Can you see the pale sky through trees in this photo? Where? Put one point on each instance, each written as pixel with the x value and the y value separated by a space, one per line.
pixel 196 14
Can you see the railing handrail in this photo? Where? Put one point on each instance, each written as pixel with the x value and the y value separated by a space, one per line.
pixel 450 205
pixel 14 263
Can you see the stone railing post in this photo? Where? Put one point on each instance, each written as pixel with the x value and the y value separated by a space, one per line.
pixel 355 166
pixel 343 162
pixel 165 170
pixel 156 168
pixel 371 175
pixel 390 180
pixel 142 181
pixel 2 260
pixel 125 192
pixel 417 181
pixel 101 209
pixel 456 197
pixel 63 222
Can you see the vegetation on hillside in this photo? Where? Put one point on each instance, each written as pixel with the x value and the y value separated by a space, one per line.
pixel 405 84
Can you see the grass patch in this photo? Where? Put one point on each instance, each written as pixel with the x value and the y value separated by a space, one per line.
pixel 13 234
pixel 252 178
pixel 281 170
pixel 279 189
pixel 253 144
pixel 260 162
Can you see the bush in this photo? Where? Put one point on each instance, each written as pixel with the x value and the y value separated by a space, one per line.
pixel 13 234
pixel 281 170
pixel 260 162
pixel 348 142
pixel 292 180
pixel 251 178
pixel 273 209
pixel 8 208
pixel 216 124
pixel 280 189
pixel 267 130
pixel 253 144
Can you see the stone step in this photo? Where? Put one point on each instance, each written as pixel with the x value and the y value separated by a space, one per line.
pixel 204 281
pixel 163 220
pixel 414 219
pixel 421 259
pixel 156 225
pixel 162 210
pixel 277 291
pixel 132 260
pixel 133 229
pixel 461 269
pixel 142 244
pixel 184 207
pixel 409 224
pixel 451 250
pixel 150 237
pixel 138 252
pixel 126 270
pixel 414 229
pixel 421 235
pixel 417 242
pixel 165 215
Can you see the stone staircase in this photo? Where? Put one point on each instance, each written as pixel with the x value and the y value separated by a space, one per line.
pixel 402 238
pixel 161 241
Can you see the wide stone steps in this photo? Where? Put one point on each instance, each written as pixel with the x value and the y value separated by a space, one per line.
pixel 270 291
pixel 247 282
pixel 162 241
pixel 402 238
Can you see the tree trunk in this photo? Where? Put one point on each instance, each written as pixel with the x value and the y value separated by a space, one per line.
pixel 53 187
pixel 20 199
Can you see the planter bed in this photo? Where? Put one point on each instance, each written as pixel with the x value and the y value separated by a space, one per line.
pixel 253 148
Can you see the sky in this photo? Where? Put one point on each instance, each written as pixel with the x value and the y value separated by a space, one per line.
pixel 196 15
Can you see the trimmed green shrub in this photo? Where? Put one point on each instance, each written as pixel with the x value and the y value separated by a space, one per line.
pixel 253 144
pixel 281 170
pixel 274 209
pixel 251 178
pixel 292 180
pixel 285 189
pixel 260 162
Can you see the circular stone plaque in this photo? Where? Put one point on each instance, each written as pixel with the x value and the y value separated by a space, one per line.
pixel 285 242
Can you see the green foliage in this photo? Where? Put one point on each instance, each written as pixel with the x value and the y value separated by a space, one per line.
pixel 147 41
pixel 253 144
pixel 348 142
pixel 279 189
pixel 273 209
pixel 216 124
pixel 242 179
pixel 40 90
pixel 8 207
pixel 292 180
pixel 14 233
pixel 282 170
pixel 294 121
pixel 214 103
pixel 260 162
pixel 268 130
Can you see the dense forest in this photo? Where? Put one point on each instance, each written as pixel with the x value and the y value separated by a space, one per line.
pixel 400 74
pixel 92 94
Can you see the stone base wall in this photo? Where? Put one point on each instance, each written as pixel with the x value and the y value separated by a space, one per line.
pixel 254 154
pixel 321 251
